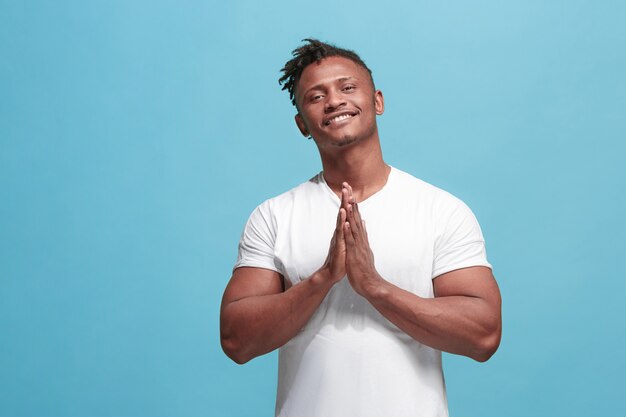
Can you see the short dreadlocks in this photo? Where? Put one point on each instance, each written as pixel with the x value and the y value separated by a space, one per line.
pixel 305 55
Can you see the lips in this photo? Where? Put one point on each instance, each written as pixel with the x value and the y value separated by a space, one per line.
pixel 338 117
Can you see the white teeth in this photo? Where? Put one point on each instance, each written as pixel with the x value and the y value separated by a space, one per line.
pixel 339 118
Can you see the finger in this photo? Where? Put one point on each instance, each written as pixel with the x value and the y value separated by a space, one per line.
pixel 347 231
pixel 357 218
pixel 344 196
pixel 342 220
pixel 352 221
pixel 338 233
pixel 364 230
pixel 349 197
pixel 339 224
pixel 357 213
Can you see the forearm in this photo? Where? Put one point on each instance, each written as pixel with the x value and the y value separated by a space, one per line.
pixel 463 325
pixel 256 325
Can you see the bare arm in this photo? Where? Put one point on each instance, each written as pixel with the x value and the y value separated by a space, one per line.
pixel 464 317
pixel 258 316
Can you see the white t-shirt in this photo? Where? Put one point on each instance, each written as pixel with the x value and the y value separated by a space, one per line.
pixel 349 360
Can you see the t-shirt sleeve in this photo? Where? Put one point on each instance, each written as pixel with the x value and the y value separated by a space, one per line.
pixel 459 242
pixel 256 246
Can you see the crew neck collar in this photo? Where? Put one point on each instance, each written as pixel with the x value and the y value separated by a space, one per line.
pixel 337 200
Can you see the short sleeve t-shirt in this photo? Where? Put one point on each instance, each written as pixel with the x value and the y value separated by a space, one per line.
pixel 349 360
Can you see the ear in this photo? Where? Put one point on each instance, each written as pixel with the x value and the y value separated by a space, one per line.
pixel 379 102
pixel 301 125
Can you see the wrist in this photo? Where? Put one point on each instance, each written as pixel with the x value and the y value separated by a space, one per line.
pixel 375 288
pixel 322 277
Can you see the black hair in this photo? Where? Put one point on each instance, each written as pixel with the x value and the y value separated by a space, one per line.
pixel 307 54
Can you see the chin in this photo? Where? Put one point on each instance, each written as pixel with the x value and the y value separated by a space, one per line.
pixel 345 141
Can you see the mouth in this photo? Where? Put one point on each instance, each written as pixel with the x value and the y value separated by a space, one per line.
pixel 340 117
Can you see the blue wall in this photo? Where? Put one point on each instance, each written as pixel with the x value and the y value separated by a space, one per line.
pixel 137 136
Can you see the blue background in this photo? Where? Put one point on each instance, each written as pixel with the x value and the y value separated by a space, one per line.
pixel 137 136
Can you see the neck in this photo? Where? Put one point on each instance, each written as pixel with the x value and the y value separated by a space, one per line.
pixel 361 165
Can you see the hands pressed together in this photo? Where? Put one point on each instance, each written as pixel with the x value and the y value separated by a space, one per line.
pixel 350 253
pixel 464 316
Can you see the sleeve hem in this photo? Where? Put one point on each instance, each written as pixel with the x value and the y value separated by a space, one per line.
pixel 453 267
pixel 257 264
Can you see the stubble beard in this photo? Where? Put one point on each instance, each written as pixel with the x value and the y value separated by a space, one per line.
pixel 350 139
pixel 345 141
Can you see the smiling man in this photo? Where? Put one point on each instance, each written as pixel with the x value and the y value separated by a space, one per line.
pixel 362 275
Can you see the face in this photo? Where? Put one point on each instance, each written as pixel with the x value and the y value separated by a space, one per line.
pixel 337 103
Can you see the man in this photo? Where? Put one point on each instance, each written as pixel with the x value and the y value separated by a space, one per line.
pixel 362 275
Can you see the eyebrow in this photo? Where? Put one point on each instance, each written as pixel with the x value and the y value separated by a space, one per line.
pixel 320 86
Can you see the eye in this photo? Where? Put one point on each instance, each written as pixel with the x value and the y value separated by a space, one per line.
pixel 315 97
pixel 348 88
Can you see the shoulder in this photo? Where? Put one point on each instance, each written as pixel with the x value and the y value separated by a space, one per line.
pixel 286 201
pixel 429 194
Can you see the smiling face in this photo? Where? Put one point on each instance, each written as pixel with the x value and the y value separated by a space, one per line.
pixel 337 103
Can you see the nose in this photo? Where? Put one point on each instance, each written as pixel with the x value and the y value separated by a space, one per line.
pixel 334 100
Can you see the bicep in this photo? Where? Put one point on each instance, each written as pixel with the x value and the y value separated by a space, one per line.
pixel 473 297
pixel 476 281
pixel 249 282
